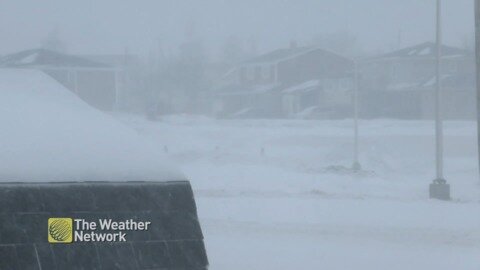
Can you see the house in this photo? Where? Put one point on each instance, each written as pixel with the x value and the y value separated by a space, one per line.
pixel 292 82
pixel 96 83
pixel 130 78
pixel 402 84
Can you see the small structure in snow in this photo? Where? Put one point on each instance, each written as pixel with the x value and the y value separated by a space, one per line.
pixel 94 82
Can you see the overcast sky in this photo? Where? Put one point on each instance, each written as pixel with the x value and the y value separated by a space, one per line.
pixel 109 26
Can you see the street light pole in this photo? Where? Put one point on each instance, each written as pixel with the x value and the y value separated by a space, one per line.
pixel 477 49
pixel 439 189
pixel 438 104
pixel 356 162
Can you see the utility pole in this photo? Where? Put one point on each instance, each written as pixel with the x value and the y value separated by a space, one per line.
pixel 439 189
pixel 356 162
pixel 477 49
pixel 438 97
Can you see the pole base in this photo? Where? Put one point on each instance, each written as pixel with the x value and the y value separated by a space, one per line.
pixel 440 190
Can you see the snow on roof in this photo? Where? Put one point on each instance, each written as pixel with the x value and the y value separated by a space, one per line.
pixel 427 49
pixel 303 87
pixel 48 134
pixel 251 90
pixel 47 58
pixel 307 111
pixel 242 112
pixel 279 54
pixel 456 80
pixel 402 86
pixel 264 88
pixel 433 81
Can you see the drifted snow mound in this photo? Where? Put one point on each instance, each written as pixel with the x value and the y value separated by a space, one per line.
pixel 48 134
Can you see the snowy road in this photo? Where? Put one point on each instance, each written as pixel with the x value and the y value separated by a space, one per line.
pixel 285 233
pixel 288 208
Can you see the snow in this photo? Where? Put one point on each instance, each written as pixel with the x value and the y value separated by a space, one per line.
pixel 271 194
pixel 307 112
pixel 260 89
pixel 401 86
pixel 412 52
pixel 29 59
pixel 303 87
pixel 49 134
pixel 256 89
pixel 242 112
pixel 433 80
pixel 294 207
pixel 425 51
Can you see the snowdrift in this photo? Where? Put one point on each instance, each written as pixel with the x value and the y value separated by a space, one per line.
pixel 49 134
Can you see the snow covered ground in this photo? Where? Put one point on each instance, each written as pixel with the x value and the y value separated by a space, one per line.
pixel 277 194
pixel 271 194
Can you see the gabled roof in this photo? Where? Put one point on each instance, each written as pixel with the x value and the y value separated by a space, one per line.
pixel 279 55
pixel 424 50
pixel 47 58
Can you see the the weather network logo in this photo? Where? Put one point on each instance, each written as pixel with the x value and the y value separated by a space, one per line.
pixel 75 230
pixel 60 230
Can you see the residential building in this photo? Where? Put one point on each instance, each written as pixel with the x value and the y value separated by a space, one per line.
pixel 296 82
pixel 402 84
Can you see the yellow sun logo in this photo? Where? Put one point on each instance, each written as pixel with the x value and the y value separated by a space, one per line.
pixel 60 230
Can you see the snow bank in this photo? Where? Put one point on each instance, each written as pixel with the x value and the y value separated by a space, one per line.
pixel 49 134
pixel 286 209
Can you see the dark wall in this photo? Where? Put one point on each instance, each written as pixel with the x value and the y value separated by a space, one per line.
pixel 314 65
pixel 96 87
pixel 174 240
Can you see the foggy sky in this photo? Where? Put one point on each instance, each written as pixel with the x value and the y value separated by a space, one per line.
pixel 110 26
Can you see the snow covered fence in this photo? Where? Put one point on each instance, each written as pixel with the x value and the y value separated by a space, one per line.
pixel 172 240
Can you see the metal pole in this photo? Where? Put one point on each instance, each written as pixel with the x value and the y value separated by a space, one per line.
pixel 477 49
pixel 356 162
pixel 438 100
pixel 116 79
pixel 439 189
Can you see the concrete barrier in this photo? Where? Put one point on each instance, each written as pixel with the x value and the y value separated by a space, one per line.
pixel 173 240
